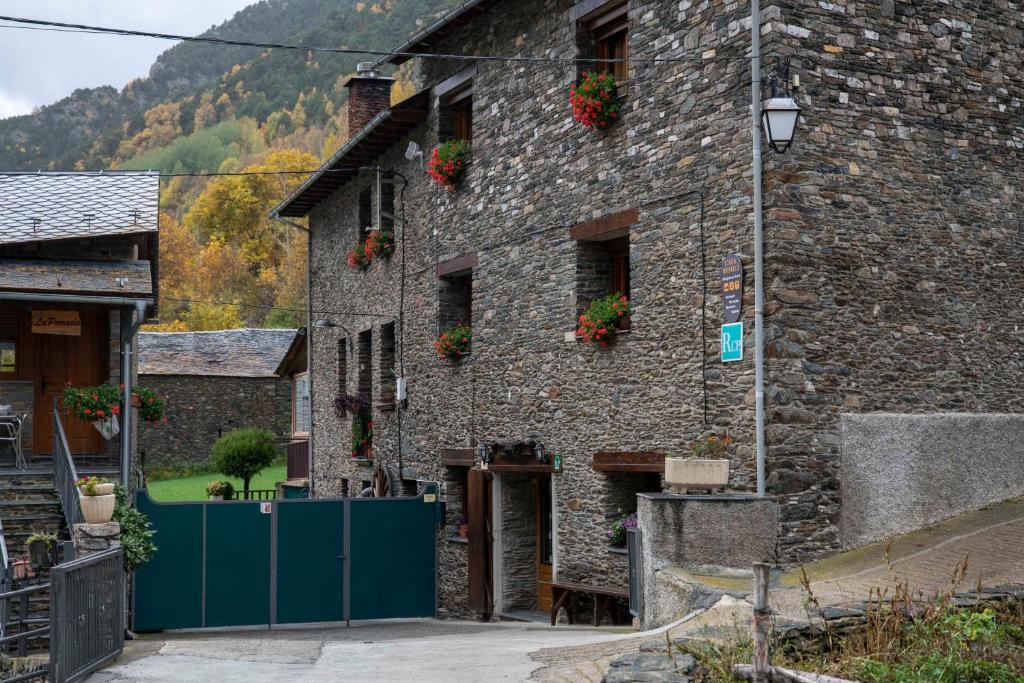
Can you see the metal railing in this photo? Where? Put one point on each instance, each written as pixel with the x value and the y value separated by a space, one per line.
pixel 64 474
pixel 87 615
pixel 636 573
pixel 298 459
pixel 23 622
pixel 255 494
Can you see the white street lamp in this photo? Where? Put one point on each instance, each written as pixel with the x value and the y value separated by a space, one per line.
pixel 779 116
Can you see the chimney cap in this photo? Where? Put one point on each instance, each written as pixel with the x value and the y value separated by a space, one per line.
pixel 366 69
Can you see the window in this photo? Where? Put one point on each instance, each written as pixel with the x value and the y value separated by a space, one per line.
pixel 455 292
pixel 342 367
pixel 300 404
pixel 365 213
pixel 604 34
pixel 362 417
pixel 456 99
pixel 8 357
pixel 387 364
pixel 387 201
pixel 602 259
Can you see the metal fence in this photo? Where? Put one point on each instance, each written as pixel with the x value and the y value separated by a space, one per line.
pixel 87 615
pixel 64 473
pixel 636 573
pixel 255 494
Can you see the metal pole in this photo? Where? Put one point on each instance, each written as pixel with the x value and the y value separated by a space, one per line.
pixel 755 124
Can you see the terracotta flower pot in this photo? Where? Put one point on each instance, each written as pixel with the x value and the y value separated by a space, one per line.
pixel 691 473
pixel 464 531
pixel 97 509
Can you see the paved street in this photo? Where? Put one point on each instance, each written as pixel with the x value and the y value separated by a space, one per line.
pixel 418 650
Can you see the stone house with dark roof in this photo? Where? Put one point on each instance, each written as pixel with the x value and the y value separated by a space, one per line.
pixel 213 382
pixel 891 239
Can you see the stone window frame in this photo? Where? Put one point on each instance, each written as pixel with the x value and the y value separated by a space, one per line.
pixel 455 105
pixel 602 32
pixel 608 234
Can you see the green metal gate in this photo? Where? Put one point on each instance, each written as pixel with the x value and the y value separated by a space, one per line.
pixel 244 563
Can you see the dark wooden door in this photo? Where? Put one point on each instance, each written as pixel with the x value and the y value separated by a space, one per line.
pixel 80 360
pixel 481 574
pixel 545 543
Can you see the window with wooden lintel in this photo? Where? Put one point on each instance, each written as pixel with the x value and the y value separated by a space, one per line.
pixel 456 99
pixel 602 259
pixel 455 292
pixel 603 34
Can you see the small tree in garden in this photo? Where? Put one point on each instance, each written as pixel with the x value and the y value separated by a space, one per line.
pixel 244 453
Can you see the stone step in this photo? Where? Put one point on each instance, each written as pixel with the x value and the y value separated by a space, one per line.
pixel 14 480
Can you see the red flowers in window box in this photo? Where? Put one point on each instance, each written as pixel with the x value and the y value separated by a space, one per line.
pixel 448 162
pixel 599 322
pixel 379 243
pixel 454 343
pixel 595 101
pixel 357 257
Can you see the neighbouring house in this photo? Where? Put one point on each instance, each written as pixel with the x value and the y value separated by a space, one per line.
pixel 892 254
pixel 78 275
pixel 213 382
pixel 293 369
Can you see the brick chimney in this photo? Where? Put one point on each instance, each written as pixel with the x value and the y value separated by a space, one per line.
pixel 369 94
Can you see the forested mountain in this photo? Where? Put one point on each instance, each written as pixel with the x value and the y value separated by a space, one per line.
pixel 208 108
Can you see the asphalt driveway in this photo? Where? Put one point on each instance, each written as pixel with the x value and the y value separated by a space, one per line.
pixel 407 650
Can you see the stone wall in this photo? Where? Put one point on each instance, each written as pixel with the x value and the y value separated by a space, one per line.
pixel 202 409
pixel 903 472
pixel 889 231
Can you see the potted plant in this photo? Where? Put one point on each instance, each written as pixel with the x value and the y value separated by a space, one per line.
pixel 462 525
pixel 379 243
pixel 448 162
pixel 617 534
pixel 707 466
pixel 40 550
pixel 595 101
pixel 454 343
pixel 97 498
pixel 150 404
pixel 599 322
pixel 220 490
pixel 98 405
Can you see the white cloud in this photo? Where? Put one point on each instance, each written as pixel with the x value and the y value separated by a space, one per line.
pixel 13 106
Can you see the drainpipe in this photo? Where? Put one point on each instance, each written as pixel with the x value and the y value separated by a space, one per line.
pixel 755 124
pixel 129 330
pixel 309 336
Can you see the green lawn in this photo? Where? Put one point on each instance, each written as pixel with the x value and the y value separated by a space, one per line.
pixel 194 487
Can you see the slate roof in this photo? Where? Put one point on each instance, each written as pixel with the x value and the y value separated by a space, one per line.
pixel 113 278
pixel 425 38
pixel 226 353
pixel 52 206
pixel 379 135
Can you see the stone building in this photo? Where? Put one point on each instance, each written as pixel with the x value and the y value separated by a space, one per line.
pixel 891 252
pixel 213 382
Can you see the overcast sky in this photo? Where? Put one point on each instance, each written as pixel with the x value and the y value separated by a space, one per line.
pixel 40 67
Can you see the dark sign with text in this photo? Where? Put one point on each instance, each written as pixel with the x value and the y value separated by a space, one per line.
pixel 732 287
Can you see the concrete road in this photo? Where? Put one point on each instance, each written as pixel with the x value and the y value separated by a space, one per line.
pixel 412 650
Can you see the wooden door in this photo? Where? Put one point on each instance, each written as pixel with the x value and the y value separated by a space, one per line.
pixel 60 359
pixel 481 538
pixel 545 543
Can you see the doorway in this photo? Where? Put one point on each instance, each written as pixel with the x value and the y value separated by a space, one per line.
pixel 479 504
pixel 63 359
pixel 545 542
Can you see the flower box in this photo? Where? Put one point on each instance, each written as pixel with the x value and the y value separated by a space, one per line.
pixel 694 473
pixel 98 509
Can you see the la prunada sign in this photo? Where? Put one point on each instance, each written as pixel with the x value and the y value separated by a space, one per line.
pixel 57 322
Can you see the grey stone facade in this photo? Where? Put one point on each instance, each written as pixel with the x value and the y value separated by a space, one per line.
pixel 891 231
pixel 202 409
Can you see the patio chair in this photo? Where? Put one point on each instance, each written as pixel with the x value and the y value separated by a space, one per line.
pixel 10 432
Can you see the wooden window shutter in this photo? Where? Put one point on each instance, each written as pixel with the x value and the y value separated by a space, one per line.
pixel 481 597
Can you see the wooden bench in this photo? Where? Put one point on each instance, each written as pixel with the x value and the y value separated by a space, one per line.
pixel 562 595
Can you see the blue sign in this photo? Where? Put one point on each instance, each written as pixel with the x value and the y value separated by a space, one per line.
pixel 732 342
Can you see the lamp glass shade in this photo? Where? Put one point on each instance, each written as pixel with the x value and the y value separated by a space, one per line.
pixel 779 116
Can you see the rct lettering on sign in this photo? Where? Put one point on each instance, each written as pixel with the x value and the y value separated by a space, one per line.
pixel 732 287
pixel 732 342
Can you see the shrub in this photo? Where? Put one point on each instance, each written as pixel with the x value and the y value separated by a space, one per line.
pixel 455 342
pixel 595 101
pixel 220 488
pixel 243 453
pixel 136 532
pixel 448 162
pixel 599 321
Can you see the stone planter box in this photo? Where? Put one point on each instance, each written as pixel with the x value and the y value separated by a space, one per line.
pixel 689 473
pixel 98 509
